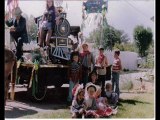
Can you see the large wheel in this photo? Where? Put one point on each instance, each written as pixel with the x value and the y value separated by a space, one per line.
pixel 63 28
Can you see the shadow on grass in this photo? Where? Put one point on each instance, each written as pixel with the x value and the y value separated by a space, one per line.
pixel 133 102
pixel 15 112
pixel 55 99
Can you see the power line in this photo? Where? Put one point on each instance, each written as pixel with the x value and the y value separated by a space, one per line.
pixel 136 9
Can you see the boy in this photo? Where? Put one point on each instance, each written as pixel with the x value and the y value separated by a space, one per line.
pixel 111 96
pixel 75 74
pixel 86 60
pixel 102 63
pixel 116 68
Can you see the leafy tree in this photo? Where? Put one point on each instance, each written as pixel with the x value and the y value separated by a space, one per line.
pixel 32 28
pixel 126 47
pixel 143 39
pixel 110 37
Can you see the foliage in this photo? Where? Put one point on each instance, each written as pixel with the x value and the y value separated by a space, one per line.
pixel 149 61
pixel 126 47
pixel 111 36
pixel 143 39
pixel 32 28
pixel 127 85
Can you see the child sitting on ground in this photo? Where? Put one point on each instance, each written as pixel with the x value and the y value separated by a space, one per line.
pixel 78 104
pixel 104 109
pixel 112 96
pixel 91 105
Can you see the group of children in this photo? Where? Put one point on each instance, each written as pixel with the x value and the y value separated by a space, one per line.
pixel 88 103
pixel 93 98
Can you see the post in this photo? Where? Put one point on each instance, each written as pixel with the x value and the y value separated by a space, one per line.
pixel 13 80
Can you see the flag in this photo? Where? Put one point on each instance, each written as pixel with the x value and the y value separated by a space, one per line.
pixel 12 4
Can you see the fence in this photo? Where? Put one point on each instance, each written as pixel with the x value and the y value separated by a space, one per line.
pixel 128 59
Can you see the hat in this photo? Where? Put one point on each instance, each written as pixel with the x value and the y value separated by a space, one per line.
pixel 17 11
pixel 101 47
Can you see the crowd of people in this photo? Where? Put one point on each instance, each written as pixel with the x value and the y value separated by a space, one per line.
pixel 89 94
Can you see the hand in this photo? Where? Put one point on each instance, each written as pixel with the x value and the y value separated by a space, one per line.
pixel 81 111
pixel 6 16
pixel 12 29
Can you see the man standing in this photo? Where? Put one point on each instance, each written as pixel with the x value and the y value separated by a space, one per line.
pixel 18 30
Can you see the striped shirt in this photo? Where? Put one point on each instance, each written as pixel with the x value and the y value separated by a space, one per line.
pixel 116 65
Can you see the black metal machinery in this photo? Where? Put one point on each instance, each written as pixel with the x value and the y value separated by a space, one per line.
pixel 56 73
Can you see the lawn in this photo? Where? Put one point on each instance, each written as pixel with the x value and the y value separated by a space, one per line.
pixel 137 106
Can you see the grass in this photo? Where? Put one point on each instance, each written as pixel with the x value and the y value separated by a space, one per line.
pixel 139 106
pixel 63 113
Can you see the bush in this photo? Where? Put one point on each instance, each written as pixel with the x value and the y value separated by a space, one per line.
pixel 149 62
pixel 126 47
pixel 127 85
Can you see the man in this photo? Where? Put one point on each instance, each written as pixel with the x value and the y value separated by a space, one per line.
pixel 18 30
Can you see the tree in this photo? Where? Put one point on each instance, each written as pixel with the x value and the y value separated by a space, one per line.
pixel 126 47
pixel 111 36
pixel 32 28
pixel 143 39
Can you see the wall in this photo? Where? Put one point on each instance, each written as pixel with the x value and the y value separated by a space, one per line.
pixel 128 59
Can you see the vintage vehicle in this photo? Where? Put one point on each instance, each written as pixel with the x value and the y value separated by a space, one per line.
pixel 38 76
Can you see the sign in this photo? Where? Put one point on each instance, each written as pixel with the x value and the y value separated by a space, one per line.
pixel 93 6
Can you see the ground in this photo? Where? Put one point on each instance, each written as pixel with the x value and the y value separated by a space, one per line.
pixel 133 104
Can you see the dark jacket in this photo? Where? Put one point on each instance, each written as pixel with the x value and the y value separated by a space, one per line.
pixel 20 27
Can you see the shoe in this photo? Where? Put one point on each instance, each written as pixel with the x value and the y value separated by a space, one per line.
pixel 114 107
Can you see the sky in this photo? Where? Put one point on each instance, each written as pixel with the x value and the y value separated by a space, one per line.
pixel 122 14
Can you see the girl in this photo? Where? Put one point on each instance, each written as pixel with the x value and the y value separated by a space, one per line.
pixel 103 109
pixel 93 78
pixel 91 105
pixel 78 103
pixel 48 22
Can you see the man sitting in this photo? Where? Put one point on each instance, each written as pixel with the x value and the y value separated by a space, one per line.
pixel 18 30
